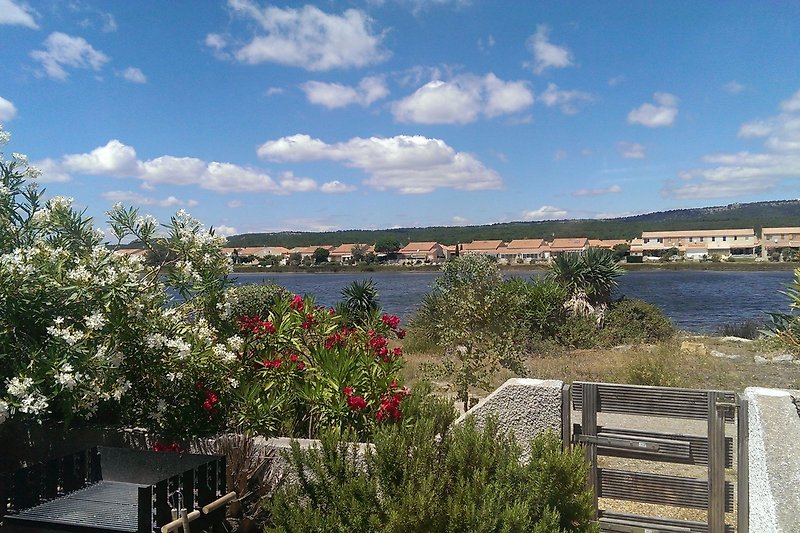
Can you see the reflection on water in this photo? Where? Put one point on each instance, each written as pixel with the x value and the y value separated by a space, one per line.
pixel 699 301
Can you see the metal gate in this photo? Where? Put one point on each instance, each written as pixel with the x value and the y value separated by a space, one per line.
pixel 711 448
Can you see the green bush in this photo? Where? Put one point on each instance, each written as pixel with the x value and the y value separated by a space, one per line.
pixel 421 478
pixel 250 300
pixel 539 307
pixel 658 369
pixel 635 321
pixel 578 332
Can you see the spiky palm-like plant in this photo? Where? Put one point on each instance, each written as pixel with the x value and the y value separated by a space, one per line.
pixel 589 278
pixel 359 302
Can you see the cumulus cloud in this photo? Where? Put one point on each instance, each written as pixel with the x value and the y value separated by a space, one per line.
pixel 546 54
pixel 225 231
pixel 62 50
pixel 119 160
pixel 16 14
pixel 291 183
pixel 334 95
pixel 657 115
pixel 133 75
pixel 460 221
pixel 52 171
pixel 546 212
pixel 408 164
pixel 613 189
pixel 462 99
pixel 568 102
pixel 234 204
pixel 336 187
pixel 304 37
pixel 629 150
pixel 7 110
pixel 745 172
pixel 134 198
pixel 114 159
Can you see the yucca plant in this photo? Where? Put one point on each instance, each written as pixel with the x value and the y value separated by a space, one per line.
pixel 359 305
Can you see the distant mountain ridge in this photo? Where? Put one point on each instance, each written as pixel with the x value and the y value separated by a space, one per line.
pixel 756 215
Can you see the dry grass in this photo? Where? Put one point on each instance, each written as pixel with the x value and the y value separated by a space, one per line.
pixel 695 368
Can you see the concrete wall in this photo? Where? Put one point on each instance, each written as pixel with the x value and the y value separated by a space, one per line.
pixel 527 407
pixel 774 461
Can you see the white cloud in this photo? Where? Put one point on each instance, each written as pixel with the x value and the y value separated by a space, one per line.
pixel 113 159
pixel 460 221
pixel 657 115
pixel 546 54
pixel 305 37
pixel 741 173
pixel 133 75
pixel 734 87
pixel 7 110
pixel 274 90
pixel 234 204
pixel 52 171
pixel 134 198
pixel 408 164
pixel 225 231
pixel 462 100
pixel 118 160
pixel 16 14
pixel 546 212
pixel 568 101
pixel 629 150
pixel 62 50
pixel 336 187
pixel 560 155
pixel 291 183
pixel 792 104
pixel 616 80
pixel 334 95
pixel 613 189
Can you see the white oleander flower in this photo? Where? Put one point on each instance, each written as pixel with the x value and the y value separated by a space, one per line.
pixel 235 342
pixel 21 159
pixel 95 321
pixel 4 413
pixel 63 202
pixel 18 387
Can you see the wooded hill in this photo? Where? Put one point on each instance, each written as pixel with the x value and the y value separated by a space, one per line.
pixel 754 215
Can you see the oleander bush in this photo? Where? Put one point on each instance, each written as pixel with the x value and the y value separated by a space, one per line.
pixel 425 476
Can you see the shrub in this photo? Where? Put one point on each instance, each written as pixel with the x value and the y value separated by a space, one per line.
pixel 539 306
pixel 635 321
pixel 249 300
pixel 418 479
pixel 578 332
pixel 658 369
pixel 749 329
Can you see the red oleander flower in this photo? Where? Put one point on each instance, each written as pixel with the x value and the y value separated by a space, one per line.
pixel 391 320
pixel 301 365
pixel 159 446
pixel 401 333
pixel 297 303
pixel 348 391
pixel 332 341
pixel 398 352
pixel 356 403
pixel 293 358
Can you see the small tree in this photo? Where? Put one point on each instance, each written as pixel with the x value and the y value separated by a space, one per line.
pixel 476 325
pixel 321 256
pixel 388 245
pixel 359 253
pixel 295 259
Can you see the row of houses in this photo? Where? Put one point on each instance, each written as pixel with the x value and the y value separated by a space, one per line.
pixel 514 251
pixel 691 244
pixel 736 243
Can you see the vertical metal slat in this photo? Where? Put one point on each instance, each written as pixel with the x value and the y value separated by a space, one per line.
pixel 716 464
pixel 566 417
pixel 742 468
pixel 589 428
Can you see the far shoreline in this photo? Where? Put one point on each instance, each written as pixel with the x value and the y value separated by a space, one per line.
pixel 742 266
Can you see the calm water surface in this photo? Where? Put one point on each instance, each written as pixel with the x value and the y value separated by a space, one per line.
pixel 698 301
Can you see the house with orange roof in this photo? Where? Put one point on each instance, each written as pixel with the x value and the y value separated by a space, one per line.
pixel 776 240
pixel 525 251
pixel 565 245
pixel 344 252
pixel 426 252
pixel 607 244
pixel 490 248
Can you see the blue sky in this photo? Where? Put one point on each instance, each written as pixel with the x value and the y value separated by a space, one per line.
pixel 257 116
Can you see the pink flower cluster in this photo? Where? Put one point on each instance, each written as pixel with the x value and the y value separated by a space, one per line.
pixel 356 403
pixel 254 324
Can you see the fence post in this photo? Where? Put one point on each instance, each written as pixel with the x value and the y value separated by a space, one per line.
pixel 566 416
pixel 742 466
pixel 716 464
pixel 589 428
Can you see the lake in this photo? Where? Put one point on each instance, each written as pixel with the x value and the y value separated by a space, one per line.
pixel 697 300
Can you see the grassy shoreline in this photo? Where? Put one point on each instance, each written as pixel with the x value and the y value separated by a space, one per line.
pixel 750 266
